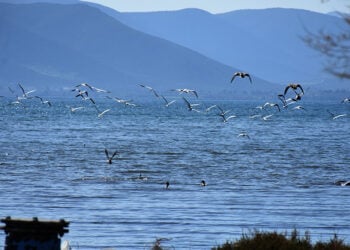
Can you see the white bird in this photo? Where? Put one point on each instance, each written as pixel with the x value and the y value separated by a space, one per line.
pixel 243 134
pixel 100 90
pixel 299 107
pixel 102 113
pixel 267 117
pixel 84 85
pixel 43 101
pixel 72 109
pixel 187 91
pixel 223 113
pixel 211 107
pixel 190 106
pixel 346 100
pixel 150 89
pixel 167 103
pixel 25 93
pixel 334 116
pixel 272 105
pixel 125 102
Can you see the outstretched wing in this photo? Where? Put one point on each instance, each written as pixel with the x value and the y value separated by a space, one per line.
pixel 234 76
pixel 106 152
pixel 301 88
pixel 247 75
pixel 286 89
pixel 114 154
pixel 187 103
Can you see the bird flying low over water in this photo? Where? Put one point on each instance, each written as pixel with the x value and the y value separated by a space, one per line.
pixel 25 93
pixel 110 158
pixel 167 103
pixel 43 101
pixel 334 116
pixel 150 89
pixel 294 86
pixel 190 106
pixel 241 75
pixel 272 105
pixel 346 100
pixel 187 91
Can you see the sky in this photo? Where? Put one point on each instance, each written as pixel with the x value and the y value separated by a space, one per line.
pixel 220 6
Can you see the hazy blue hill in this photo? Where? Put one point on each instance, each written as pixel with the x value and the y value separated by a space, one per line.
pixel 55 46
pixel 265 42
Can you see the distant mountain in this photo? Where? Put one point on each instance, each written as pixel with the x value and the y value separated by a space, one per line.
pixel 267 43
pixel 55 46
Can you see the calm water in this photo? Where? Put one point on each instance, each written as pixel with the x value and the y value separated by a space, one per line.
pixel 52 165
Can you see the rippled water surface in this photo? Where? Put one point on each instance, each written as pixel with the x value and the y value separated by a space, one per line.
pixel 53 165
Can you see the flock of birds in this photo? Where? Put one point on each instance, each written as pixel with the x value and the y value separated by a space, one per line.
pixel 291 95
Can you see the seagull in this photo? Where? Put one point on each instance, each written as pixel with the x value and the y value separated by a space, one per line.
pixel 243 134
pixel 43 101
pixel 342 183
pixel 223 114
pixel 84 85
pixel 167 103
pixel 346 100
pixel 272 105
pixel 299 107
pixel 25 93
pixel 336 116
pixel 294 86
pixel 211 107
pixel 110 158
pixel 125 102
pixel 187 91
pixel 190 106
pixel 72 109
pixel 150 89
pixel 266 117
pixel 102 113
pixel 241 75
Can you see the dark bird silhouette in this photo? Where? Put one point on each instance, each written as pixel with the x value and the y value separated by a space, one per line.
pixel 203 183
pixel 241 75
pixel 294 86
pixel 110 158
pixel 167 184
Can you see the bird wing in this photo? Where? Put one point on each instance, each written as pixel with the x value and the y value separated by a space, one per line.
pixel 234 76
pixel 250 79
pixel 114 154
pixel 187 102
pixel 301 88
pixel 106 152
pixel 195 93
pixel 286 89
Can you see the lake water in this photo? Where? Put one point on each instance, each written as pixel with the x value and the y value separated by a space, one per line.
pixel 53 166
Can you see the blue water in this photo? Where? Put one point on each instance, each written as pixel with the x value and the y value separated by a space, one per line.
pixel 53 166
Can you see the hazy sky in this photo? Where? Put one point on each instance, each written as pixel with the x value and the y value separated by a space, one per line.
pixel 219 6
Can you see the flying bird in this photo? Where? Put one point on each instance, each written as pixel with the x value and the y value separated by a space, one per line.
pixel 150 89
pixel 241 75
pixel 294 86
pixel 334 116
pixel 110 158
pixel 102 113
pixel 167 103
pixel 43 101
pixel 187 91
pixel 190 106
